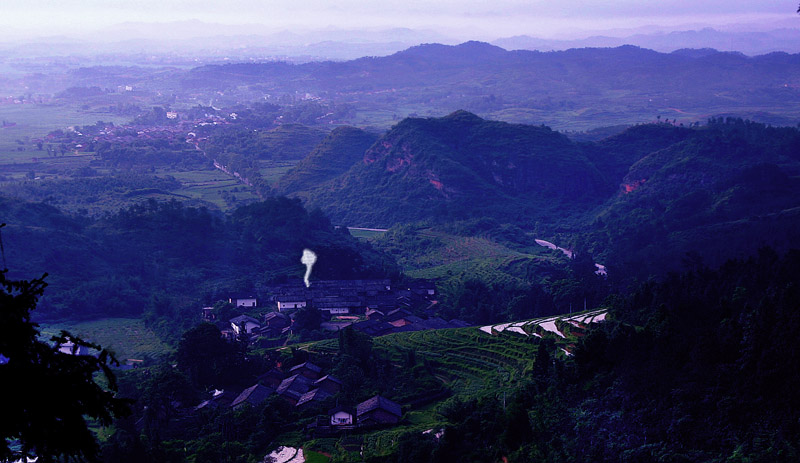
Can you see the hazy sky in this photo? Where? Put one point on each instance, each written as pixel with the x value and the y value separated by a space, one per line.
pixel 482 18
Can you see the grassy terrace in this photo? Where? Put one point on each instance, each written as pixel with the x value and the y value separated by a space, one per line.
pixel 473 362
pixel 126 337
pixel 470 362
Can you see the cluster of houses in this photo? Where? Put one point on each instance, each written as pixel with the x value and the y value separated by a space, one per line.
pixel 184 130
pixel 375 307
pixel 303 386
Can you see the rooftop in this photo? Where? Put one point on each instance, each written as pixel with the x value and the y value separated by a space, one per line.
pixel 379 402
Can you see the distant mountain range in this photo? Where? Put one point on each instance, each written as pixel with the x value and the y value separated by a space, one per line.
pixel 576 88
pixel 747 42
pixel 255 41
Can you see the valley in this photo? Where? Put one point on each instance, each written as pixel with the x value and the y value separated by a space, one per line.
pixel 576 255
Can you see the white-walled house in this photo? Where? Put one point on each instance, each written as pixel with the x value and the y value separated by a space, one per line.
pixel 244 322
pixel 244 301
pixel 342 416
pixel 70 348
pixel 290 304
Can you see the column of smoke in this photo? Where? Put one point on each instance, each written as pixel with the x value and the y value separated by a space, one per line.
pixel 308 260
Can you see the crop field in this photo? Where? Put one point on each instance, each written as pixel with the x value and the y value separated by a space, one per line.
pixel 477 361
pixel 126 337
pixel 271 170
pixel 365 234
pixel 21 160
pixel 442 256
pixel 36 121
pixel 212 186
pixel 470 362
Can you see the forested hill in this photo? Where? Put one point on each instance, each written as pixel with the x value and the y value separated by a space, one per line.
pixel 719 190
pixel 722 191
pixel 461 166
pixel 168 258
pixel 696 368
pixel 342 148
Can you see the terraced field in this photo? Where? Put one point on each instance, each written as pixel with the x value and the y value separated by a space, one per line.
pixel 477 361
pixel 448 255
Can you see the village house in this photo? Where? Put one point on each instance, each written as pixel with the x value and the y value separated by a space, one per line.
pixel 422 288
pixel 307 369
pixel 274 324
pixel 373 327
pixel 378 411
pixel 337 297
pixel 337 305
pixel 253 395
pixel 342 416
pixel 219 399
pixel 70 348
pixel 244 324
pixel 273 378
pixel 293 387
pixel 243 301
pixel 311 397
pixel 329 384
pixel 290 303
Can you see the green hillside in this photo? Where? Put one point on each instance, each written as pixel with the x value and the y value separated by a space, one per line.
pixel 461 166
pixel 690 369
pixel 639 200
pixel 731 187
pixel 342 148
pixel 285 142
pixel 163 260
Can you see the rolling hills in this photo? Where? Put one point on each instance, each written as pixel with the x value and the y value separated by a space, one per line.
pixel 456 167
pixel 624 199
pixel 572 89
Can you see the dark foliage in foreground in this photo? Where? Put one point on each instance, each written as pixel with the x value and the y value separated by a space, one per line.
pixel 47 394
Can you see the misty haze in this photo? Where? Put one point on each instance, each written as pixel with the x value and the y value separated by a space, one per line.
pixel 400 231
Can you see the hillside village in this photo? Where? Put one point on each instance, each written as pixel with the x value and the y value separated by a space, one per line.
pixel 302 387
pixel 374 307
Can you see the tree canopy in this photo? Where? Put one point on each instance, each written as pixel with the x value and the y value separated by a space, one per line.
pixel 48 394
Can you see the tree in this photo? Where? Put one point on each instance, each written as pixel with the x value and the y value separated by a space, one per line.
pixel 46 393
pixel 206 357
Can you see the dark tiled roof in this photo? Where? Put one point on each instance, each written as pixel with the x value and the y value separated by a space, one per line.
pixel 379 402
pixel 294 386
pixel 253 395
pixel 272 315
pixel 242 319
pixel 315 395
pixel 408 328
pixel 328 378
pixel 342 408
pixel 307 365
pixel 397 314
pixel 373 327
